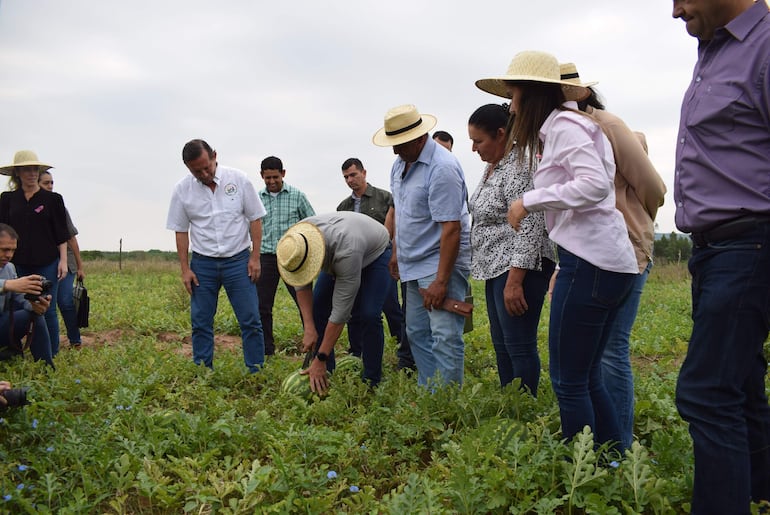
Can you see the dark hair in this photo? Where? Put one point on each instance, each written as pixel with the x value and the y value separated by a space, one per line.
pixel 490 118
pixel 271 163
pixel 193 149
pixel 10 231
pixel 444 136
pixel 537 102
pixel 352 161
pixel 593 100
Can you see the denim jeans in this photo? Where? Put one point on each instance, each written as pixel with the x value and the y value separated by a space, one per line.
pixel 267 286
pixel 66 304
pixel 50 272
pixel 436 336
pixel 514 338
pixel 721 387
pixel 394 315
pixel 584 305
pixel 232 273
pixel 616 361
pixel 367 310
pixel 23 322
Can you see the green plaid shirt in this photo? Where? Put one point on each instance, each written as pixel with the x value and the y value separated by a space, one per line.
pixel 283 210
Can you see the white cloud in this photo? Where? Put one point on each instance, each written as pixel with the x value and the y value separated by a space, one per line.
pixel 109 92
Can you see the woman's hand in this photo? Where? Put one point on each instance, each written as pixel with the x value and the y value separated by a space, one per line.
pixel 517 213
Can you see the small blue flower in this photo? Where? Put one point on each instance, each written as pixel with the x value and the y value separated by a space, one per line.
pixel 7 497
pixel 49 449
pixel 22 467
pixel 2 421
pixel 363 447
pixel 34 424
pixel 20 486
pixel 354 489
pixel 614 464
pixel 77 381
pixel 128 408
pixel 331 474
pixel 119 407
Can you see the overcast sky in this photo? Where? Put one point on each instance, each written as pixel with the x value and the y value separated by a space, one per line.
pixel 108 92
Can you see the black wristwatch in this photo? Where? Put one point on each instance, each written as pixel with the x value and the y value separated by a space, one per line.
pixel 322 356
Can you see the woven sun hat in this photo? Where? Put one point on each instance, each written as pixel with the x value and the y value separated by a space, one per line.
pixel 24 158
pixel 570 74
pixel 532 66
pixel 300 254
pixel 402 124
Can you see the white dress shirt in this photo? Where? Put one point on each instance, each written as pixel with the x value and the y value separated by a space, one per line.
pixel 217 221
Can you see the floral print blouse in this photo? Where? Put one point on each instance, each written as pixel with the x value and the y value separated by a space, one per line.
pixel 496 246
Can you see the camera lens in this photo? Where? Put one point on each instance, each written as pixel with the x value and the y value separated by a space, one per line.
pixel 16 397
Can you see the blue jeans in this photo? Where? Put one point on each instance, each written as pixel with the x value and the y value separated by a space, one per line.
pixel 39 341
pixel 66 304
pixel 50 272
pixel 267 286
pixel 232 273
pixel 584 306
pixel 436 336
pixel 721 387
pixel 367 311
pixel 616 361
pixel 394 314
pixel 514 338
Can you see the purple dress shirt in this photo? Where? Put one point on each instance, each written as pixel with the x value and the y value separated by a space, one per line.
pixel 723 147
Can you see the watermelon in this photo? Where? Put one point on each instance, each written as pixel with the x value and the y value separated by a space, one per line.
pixel 348 364
pixel 297 384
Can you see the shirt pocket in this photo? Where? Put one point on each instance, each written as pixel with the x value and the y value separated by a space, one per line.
pixel 715 108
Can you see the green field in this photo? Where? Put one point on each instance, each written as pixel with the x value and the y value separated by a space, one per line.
pixel 128 424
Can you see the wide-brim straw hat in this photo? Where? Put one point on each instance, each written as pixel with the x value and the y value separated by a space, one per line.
pixel 403 124
pixel 533 66
pixel 24 158
pixel 570 74
pixel 300 254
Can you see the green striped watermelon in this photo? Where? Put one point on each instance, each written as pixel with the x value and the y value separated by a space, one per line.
pixel 348 364
pixel 297 384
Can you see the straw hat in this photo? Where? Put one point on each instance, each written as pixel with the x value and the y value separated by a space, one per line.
pixel 402 124
pixel 570 74
pixel 533 66
pixel 300 254
pixel 24 158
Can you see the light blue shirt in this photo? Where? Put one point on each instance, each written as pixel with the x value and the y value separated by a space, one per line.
pixel 433 191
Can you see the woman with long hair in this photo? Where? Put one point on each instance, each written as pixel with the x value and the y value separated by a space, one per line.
pixel 515 265
pixel 573 185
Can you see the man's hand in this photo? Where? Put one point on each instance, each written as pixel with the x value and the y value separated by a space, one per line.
pixel 188 279
pixel 32 284
pixel 4 385
pixel 393 266
pixel 255 268
pixel 513 297
pixel 40 306
pixel 433 296
pixel 319 381
pixel 309 338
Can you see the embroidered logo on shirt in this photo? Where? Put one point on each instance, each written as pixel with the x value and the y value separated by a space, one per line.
pixel 39 208
pixel 231 189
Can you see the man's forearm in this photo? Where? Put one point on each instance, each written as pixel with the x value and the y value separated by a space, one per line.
pixel 449 248
pixel 182 250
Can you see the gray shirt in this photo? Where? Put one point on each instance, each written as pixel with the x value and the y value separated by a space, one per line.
pixel 353 241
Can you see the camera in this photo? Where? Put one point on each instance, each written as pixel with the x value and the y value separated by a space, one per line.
pixel 46 285
pixel 15 397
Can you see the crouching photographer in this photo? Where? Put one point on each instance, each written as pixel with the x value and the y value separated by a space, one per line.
pixel 12 397
pixel 23 301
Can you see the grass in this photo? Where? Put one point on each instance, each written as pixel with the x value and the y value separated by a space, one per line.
pixel 129 424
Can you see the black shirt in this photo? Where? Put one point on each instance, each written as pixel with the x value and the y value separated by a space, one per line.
pixel 41 223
